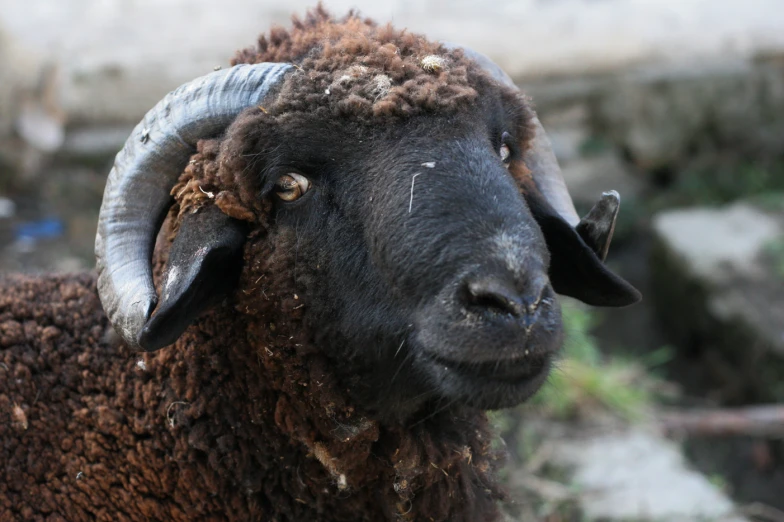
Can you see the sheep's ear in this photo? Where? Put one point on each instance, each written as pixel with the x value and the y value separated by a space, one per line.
pixel 576 268
pixel 204 265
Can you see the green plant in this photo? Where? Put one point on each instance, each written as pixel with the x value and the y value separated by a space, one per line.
pixel 594 145
pixel 585 379
pixel 775 252
pixel 770 201
pixel 720 182
pixel 718 481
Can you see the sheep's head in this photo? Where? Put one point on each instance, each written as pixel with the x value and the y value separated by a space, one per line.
pixel 426 238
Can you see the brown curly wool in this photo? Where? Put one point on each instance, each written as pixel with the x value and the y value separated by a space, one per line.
pixel 220 426
pixel 211 427
pixel 243 418
pixel 355 67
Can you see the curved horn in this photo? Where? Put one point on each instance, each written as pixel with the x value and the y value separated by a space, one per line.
pixel 540 158
pixel 137 197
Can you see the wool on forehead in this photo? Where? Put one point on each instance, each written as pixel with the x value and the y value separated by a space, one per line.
pixel 350 70
pixel 354 67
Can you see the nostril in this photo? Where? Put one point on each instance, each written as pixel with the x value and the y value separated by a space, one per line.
pixel 492 295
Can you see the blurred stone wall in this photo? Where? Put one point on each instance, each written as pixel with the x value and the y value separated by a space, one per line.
pixel 120 56
pixel 31 120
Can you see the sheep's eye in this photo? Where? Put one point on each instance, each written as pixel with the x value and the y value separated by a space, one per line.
pixel 505 152
pixel 291 186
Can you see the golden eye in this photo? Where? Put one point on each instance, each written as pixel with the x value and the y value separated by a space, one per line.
pixel 291 186
pixel 505 153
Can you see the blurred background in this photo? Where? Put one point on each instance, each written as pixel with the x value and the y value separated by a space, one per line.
pixel 663 411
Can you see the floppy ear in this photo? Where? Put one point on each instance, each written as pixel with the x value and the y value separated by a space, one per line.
pixel 577 246
pixel 204 265
pixel 575 268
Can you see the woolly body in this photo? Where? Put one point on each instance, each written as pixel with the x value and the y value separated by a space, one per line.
pixel 243 418
pixel 294 398
pixel 211 429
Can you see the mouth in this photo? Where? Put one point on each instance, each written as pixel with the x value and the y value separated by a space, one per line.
pixel 483 358
pixel 490 384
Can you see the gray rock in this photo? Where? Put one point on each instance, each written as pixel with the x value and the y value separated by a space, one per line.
pixel 7 208
pixel 637 475
pixel 605 470
pixel 719 244
pixel 717 286
pixel 661 116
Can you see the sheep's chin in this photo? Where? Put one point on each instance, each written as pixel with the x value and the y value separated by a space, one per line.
pixel 487 386
pixel 487 360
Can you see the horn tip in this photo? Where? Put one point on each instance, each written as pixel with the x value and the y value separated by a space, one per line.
pixel 611 200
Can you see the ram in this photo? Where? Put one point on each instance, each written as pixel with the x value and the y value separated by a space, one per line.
pixel 360 234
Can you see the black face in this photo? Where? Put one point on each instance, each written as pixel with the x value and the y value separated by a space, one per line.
pixel 424 270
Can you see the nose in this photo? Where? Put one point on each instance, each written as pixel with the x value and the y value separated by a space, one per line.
pixel 496 294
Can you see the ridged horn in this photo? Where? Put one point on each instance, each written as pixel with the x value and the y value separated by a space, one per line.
pixel 137 194
pixel 540 158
